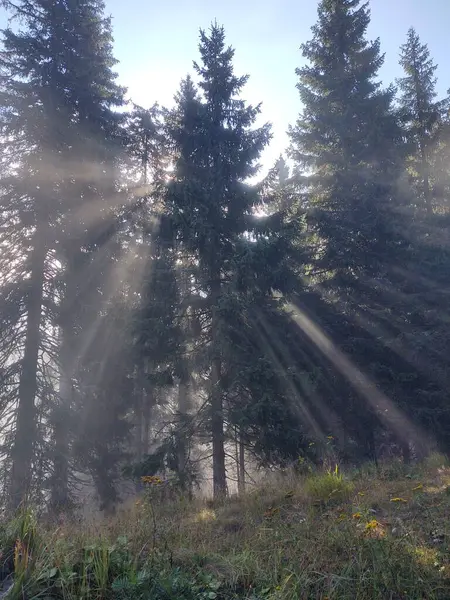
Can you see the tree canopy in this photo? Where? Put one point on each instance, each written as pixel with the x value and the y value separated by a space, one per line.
pixel 168 308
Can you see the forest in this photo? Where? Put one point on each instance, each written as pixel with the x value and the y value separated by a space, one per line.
pixel 167 310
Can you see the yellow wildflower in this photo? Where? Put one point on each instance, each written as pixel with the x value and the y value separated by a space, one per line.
pixel 374 529
pixel 356 515
pixel 373 524
pixel 151 480
pixel 399 500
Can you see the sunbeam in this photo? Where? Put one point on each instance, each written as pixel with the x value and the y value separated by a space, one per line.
pixel 379 402
pixel 269 337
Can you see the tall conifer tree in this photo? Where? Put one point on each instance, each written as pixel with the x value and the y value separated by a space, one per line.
pixel 210 202
pixel 349 142
pixel 347 139
pixel 58 96
pixel 423 115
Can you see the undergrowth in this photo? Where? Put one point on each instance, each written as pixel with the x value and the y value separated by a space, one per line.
pixel 327 487
pixel 368 534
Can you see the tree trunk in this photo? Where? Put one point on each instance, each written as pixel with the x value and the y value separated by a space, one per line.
pixel 25 435
pixel 182 437
pixel 139 423
pixel 138 430
pixel 183 407
pixel 218 437
pixel 105 488
pixel 240 461
pixel 406 451
pixel 371 445
pixel 147 415
pixel 241 475
pixel 60 484
pixel 426 181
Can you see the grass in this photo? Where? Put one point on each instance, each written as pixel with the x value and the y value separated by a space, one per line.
pixel 368 534
pixel 328 487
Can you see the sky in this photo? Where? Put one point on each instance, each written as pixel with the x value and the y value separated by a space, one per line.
pixel 156 43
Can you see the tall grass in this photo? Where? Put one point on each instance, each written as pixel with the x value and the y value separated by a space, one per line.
pixel 327 487
pixel 325 536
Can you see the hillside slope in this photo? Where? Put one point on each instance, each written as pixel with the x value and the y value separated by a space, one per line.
pixel 370 534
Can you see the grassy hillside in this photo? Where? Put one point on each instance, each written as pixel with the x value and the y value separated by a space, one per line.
pixel 363 535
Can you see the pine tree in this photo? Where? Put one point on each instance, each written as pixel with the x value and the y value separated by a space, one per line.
pixel 216 149
pixel 422 113
pixel 423 288
pixel 58 95
pixel 278 188
pixel 28 134
pixel 350 143
pixel 347 138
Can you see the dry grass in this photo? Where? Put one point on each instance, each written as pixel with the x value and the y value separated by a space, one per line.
pixel 385 535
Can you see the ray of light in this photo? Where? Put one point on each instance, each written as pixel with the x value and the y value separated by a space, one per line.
pixel 126 270
pixel 384 407
pixel 376 325
pixel 266 345
pixel 272 337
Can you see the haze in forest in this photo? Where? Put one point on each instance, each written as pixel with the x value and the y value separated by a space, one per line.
pixel 224 300
pixel 169 308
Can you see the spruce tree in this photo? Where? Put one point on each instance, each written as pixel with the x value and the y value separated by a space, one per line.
pixel 423 115
pixel 347 139
pixel 425 281
pixel 216 149
pixel 59 96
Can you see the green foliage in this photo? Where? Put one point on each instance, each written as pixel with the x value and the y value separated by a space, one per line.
pixel 170 585
pixel 365 546
pixel 148 287
pixel 329 487
pixel 349 136
pixel 422 116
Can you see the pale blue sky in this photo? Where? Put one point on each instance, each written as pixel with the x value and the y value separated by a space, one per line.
pixel 156 43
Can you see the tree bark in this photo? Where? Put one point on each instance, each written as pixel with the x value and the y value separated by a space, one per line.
pixel 138 430
pixel 241 474
pixel 218 437
pixel 147 414
pixel 406 451
pixel 25 435
pixel 139 423
pixel 182 439
pixel 183 407
pixel 426 180
pixel 60 484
